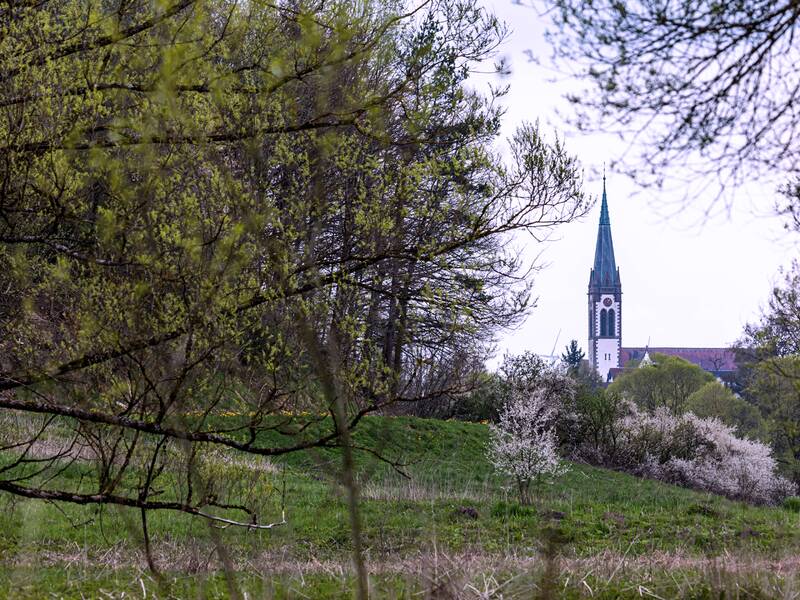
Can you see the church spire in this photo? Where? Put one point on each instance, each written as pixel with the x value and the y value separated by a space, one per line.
pixel 605 300
pixel 604 218
pixel 604 274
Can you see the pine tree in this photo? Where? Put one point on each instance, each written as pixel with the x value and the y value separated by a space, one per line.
pixel 573 355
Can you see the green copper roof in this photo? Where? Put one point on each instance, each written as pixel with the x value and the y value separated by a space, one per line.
pixel 604 218
pixel 605 273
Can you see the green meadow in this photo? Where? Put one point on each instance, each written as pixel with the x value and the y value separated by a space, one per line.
pixel 436 523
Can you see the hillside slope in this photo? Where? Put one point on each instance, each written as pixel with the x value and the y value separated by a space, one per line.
pixel 448 505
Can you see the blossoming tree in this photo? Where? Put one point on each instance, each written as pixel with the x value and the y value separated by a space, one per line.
pixel 523 444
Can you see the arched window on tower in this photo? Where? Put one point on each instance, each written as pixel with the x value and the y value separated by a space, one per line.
pixel 612 323
pixel 603 324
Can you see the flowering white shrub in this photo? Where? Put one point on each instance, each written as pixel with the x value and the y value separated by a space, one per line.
pixel 525 374
pixel 700 453
pixel 646 438
pixel 523 445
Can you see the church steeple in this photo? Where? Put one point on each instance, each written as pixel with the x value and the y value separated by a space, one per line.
pixel 605 299
pixel 605 273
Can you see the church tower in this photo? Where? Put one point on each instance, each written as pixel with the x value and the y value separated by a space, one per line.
pixel 605 300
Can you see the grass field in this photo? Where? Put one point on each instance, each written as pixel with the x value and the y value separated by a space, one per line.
pixel 448 530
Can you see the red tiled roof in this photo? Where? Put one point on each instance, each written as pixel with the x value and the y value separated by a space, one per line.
pixel 710 359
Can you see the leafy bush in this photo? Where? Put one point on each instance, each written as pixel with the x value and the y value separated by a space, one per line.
pixel 592 432
pixel 687 450
pixel 772 385
pixel 660 436
pixel 483 403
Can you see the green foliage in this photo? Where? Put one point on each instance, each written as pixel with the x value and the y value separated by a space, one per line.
pixel 271 211
pixel 777 333
pixel 482 403
pixel 572 356
pixel 774 386
pixel 792 503
pixel 668 382
pixel 715 400
pixel 770 373
pixel 512 510
pixel 597 414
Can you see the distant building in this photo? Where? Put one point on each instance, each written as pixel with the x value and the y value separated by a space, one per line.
pixel 717 361
pixel 606 353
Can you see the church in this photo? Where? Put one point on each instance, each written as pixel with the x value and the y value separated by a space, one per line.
pixel 606 353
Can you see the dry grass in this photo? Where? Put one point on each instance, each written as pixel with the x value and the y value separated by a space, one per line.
pixel 481 576
pixel 226 458
pixel 202 558
pixel 427 488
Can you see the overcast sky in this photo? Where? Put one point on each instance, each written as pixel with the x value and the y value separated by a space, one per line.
pixel 683 284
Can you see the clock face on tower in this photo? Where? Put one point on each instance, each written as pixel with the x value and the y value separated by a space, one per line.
pixel 607 301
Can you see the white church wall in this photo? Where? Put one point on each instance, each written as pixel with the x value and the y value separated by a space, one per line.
pixel 605 351
pixel 607 355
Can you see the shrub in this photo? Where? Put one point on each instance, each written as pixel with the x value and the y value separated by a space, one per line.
pixel 792 503
pixel 518 374
pixel 526 374
pixel 700 453
pixel 483 403
pixel 654 438
pixel 595 426
pixel 523 444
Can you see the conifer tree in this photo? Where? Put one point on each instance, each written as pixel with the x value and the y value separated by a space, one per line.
pixel 573 355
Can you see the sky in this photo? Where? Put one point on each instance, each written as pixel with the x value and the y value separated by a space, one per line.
pixel 686 280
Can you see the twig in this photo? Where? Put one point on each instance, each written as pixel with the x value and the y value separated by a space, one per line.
pixel 230 522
